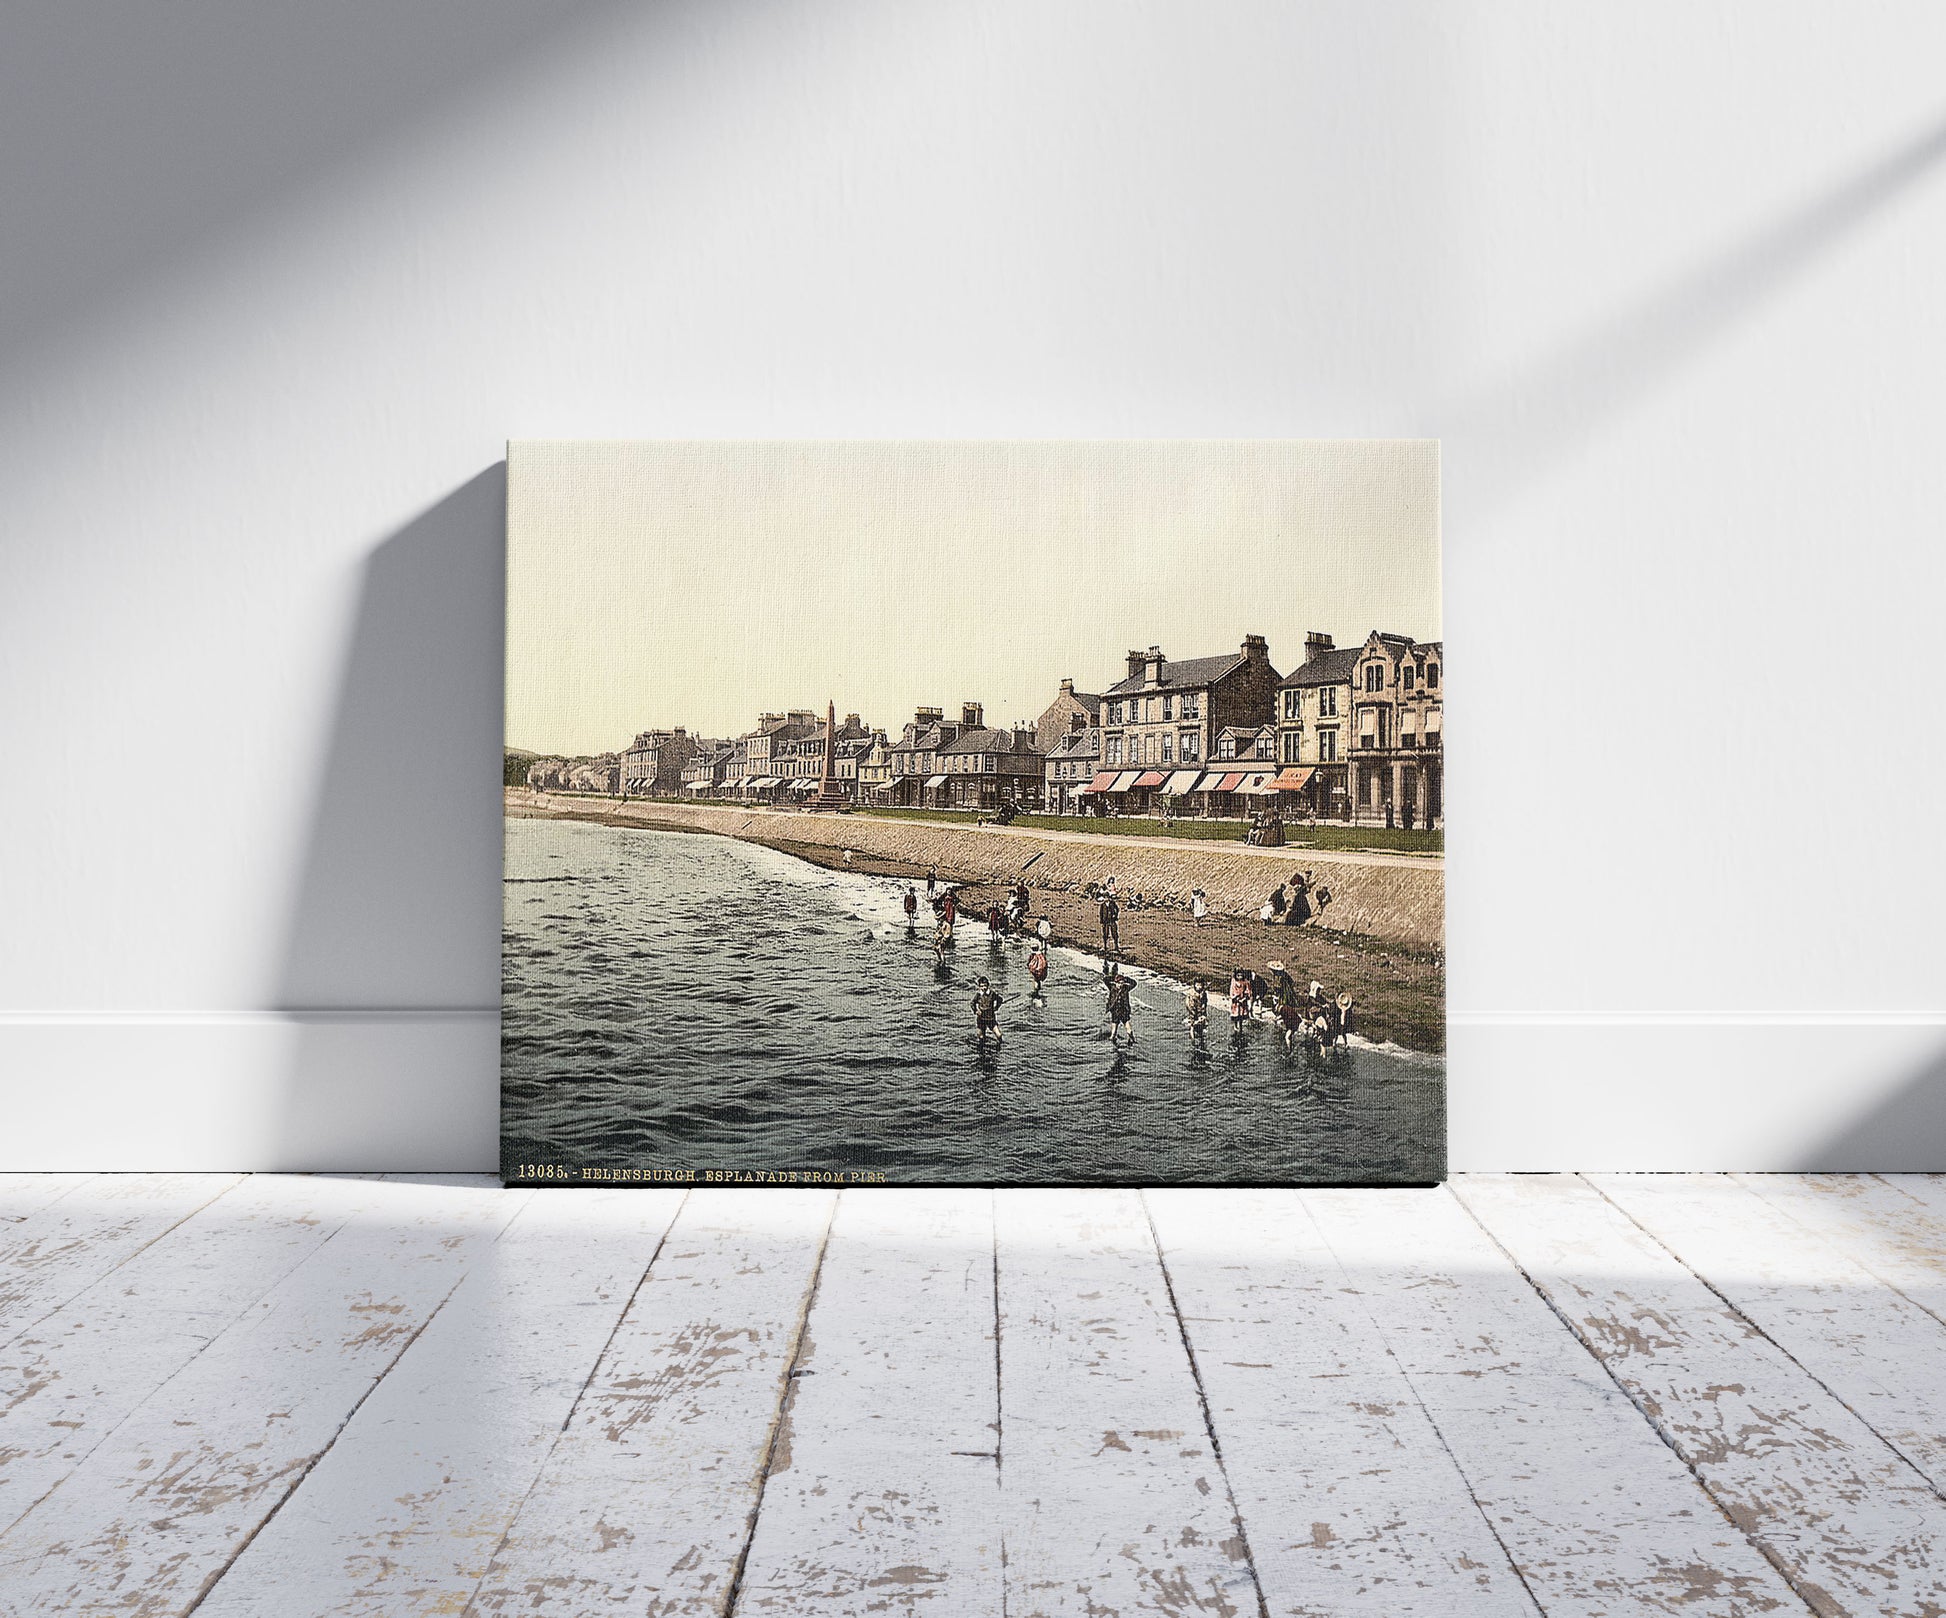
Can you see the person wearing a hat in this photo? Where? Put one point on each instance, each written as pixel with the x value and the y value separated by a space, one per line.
pixel 1121 1005
pixel 1347 1022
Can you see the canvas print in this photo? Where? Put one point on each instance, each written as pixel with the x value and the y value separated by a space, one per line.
pixel 974 813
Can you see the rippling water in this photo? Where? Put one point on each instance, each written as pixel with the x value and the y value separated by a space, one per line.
pixel 695 1003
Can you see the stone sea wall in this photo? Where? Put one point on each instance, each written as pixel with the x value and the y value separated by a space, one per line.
pixel 1390 897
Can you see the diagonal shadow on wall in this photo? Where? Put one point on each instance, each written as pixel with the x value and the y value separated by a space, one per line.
pixel 391 968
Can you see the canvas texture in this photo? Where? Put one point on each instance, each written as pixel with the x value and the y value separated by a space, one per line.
pixel 888 813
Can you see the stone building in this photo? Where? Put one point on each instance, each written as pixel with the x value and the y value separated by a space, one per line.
pixel 1069 769
pixel 1165 717
pixel 1397 732
pixel 708 767
pixel 1314 715
pixel 652 765
pixel 766 747
pixel 986 767
pixel 602 774
pixel 916 777
pixel 797 757
pixel 1069 711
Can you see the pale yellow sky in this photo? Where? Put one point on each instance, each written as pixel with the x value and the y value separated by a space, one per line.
pixel 659 584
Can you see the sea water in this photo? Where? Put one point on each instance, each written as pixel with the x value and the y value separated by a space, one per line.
pixel 692 1003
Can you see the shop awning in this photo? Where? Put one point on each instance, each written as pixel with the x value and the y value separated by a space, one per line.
pixel 1125 780
pixel 934 782
pixel 804 786
pixel 896 781
pixel 1149 778
pixel 1258 782
pixel 1224 783
pixel 1104 781
pixel 765 781
pixel 1182 781
pixel 1294 779
pixel 699 786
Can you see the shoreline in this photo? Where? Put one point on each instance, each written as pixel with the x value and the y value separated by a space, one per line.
pixel 1399 989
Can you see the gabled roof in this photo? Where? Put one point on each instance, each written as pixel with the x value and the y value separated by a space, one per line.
pixel 1248 730
pixel 1327 668
pixel 988 740
pixel 1078 744
pixel 1190 674
pixel 1091 700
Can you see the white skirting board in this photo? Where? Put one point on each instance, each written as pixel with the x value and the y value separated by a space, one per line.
pixel 418 1091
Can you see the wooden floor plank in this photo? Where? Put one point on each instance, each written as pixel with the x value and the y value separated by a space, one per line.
pixel 403 1514
pixel 1875 1350
pixel 1600 1517
pixel 645 1504
pixel 23 1194
pixel 153 1515
pixel 883 1495
pixel 1894 1225
pixel 1851 1523
pixel 1349 1498
pixel 73 1377
pixel 60 1249
pixel 1113 1498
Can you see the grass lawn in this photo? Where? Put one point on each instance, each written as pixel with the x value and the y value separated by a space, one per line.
pixel 1397 840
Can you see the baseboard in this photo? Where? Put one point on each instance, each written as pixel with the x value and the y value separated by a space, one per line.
pixel 417 1090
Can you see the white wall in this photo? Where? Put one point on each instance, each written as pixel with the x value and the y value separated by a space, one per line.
pixel 279 281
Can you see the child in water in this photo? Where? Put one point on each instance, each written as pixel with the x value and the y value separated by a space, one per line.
pixel 1121 1006
pixel 1239 999
pixel 1196 1003
pixel 1037 968
pixel 911 906
pixel 986 1013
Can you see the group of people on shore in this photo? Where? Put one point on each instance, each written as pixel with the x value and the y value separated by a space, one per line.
pixel 1313 1016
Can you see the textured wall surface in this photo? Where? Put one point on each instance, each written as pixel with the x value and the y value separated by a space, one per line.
pixel 280 282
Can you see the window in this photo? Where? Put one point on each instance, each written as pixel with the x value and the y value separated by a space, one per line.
pixel 1226 747
pixel 1114 713
pixel 1114 755
pixel 1408 676
pixel 1292 708
pixel 1432 674
pixel 1291 740
pixel 1168 707
pixel 1192 706
pixel 1328 744
pixel 1374 677
pixel 1327 702
pixel 1168 750
pixel 1189 746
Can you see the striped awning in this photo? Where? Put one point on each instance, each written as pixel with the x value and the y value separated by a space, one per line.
pixel 1258 782
pixel 1223 783
pixel 1125 780
pixel 1182 781
pixel 1149 778
pixel 933 782
pixel 1104 781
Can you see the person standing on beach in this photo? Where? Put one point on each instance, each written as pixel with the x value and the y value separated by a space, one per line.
pixel 995 925
pixel 1043 930
pixel 986 1013
pixel 1198 906
pixel 932 879
pixel 1111 924
pixel 1121 1006
pixel 1277 904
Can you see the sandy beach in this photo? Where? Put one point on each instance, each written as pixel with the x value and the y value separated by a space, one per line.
pixel 1400 990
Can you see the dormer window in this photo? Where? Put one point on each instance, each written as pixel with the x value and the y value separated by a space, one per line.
pixel 1374 677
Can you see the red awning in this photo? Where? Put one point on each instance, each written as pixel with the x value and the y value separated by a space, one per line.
pixel 1151 778
pixel 1229 782
pixel 1294 779
pixel 1103 782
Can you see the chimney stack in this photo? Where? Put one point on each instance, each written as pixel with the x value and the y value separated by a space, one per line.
pixel 1067 688
pixel 1135 661
pixel 922 717
pixel 972 716
pixel 1256 648
pixel 1316 644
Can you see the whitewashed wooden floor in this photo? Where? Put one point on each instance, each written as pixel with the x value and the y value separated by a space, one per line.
pixel 1564 1395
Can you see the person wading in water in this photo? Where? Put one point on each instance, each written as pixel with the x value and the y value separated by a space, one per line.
pixel 1239 1000
pixel 911 908
pixel 1196 1003
pixel 1121 1006
pixel 986 1013
pixel 1037 968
